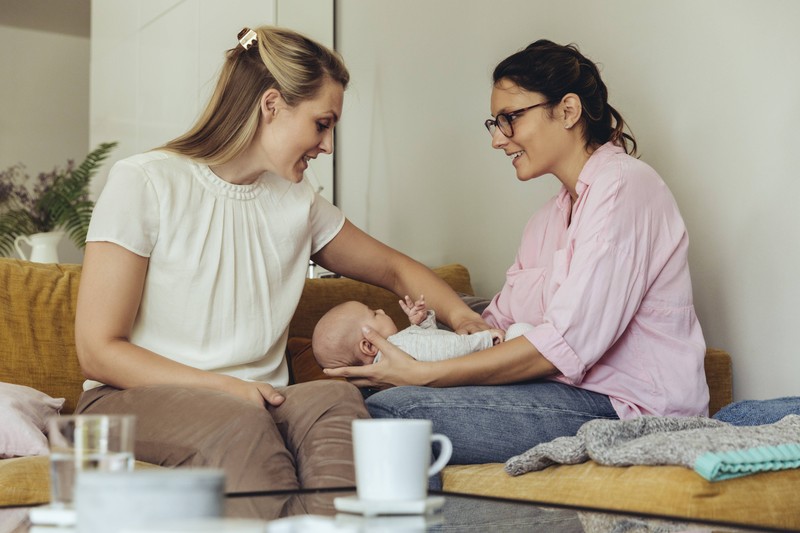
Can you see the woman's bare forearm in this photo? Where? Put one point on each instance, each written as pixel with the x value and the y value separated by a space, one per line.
pixel 512 361
pixel 124 365
pixel 385 267
pixel 415 279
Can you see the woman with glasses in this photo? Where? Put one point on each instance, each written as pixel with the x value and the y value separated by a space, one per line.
pixel 601 273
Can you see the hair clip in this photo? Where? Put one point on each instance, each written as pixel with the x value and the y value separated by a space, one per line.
pixel 248 37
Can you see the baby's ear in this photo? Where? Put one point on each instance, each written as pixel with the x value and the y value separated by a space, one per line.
pixel 367 348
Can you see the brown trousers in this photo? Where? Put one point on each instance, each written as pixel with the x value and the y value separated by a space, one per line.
pixel 303 443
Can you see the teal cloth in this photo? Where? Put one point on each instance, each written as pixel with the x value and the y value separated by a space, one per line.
pixel 716 466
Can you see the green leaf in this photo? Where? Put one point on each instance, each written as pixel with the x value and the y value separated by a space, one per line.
pixel 67 202
pixel 64 205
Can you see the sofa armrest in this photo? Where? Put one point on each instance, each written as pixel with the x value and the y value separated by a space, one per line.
pixel 719 376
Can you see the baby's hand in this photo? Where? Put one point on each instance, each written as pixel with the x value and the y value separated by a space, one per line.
pixel 498 336
pixel 416 311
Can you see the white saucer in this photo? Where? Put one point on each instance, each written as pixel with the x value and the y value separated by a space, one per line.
pixel 52 516
pixel 351 504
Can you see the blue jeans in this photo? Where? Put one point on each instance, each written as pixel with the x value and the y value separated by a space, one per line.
pixel 490 424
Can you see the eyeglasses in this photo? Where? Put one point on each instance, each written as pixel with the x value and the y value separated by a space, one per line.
pixel 504 120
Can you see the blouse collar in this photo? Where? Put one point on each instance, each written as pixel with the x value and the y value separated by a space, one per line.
pixel 227 189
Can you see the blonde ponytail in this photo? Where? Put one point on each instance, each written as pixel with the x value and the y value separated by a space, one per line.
pixel 272 58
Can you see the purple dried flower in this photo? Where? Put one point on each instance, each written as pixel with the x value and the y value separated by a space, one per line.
pixel 20 193
pixel 13 187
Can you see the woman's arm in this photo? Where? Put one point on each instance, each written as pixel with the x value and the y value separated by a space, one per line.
pixel 508 362
pixel 112 280
pixel 355 254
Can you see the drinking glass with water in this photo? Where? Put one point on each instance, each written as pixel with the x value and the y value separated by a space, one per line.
pixel 81 443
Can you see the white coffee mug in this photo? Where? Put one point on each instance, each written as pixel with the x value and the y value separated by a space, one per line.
pixel 392 458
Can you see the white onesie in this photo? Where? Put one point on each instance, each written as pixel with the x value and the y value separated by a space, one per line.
pixel 426 342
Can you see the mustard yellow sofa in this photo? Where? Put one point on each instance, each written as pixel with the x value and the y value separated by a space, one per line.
pixel 37 309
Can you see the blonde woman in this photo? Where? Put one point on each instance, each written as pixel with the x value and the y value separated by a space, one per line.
pixel 195 262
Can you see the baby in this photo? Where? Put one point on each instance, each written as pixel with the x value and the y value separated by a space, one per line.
pixel 338 339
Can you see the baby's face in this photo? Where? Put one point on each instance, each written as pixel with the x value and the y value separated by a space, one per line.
pixel 377 320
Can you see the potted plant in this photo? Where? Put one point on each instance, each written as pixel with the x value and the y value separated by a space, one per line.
pixel 55 201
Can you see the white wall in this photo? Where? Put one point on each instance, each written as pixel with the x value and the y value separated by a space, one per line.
pixel 44 103
pixel 154 65
pixel 710 89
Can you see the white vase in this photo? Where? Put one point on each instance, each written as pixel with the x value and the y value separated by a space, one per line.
pixel 44 246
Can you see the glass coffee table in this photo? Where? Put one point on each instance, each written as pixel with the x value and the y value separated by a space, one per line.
pixel 315 511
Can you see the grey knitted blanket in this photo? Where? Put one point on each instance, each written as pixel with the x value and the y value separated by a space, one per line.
pixel 716 450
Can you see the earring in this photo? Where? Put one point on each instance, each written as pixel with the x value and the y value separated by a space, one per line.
pixel 567 126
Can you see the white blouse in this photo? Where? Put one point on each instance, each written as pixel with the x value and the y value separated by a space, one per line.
pixel 227 263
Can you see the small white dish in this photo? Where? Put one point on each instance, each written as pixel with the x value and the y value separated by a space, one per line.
pixel 352 504
pixel 52 516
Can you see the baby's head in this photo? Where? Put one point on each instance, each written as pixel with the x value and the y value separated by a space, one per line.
pixel 338 339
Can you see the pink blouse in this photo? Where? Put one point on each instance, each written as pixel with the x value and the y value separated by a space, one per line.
pixel 610 292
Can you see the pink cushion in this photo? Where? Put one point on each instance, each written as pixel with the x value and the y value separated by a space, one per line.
pixel 24 412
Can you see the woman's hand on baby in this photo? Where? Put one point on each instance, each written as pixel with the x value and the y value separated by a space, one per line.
pixel 395 367
pixel 471 324
pixel 416 311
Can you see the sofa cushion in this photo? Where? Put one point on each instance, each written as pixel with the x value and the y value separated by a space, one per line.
pixel 765 499
pixel 303 366
pixel 37 330
pixel 26 480
pixel 25 412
